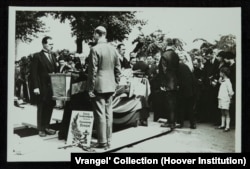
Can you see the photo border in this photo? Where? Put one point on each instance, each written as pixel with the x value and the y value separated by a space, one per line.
pixel 245 80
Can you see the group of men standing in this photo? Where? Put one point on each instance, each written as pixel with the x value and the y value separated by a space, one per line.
pixel 174 80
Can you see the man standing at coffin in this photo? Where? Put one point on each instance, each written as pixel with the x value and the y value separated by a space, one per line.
pixel 103 77
pixel 168 72
pixel 123 60
pixel 43 63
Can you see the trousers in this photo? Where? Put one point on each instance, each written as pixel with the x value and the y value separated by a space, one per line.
pixel 44 112
pixel 169 99
pixel 103 116
pixel 186 108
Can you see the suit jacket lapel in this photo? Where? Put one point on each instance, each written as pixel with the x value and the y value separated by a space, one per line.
pixel 46 61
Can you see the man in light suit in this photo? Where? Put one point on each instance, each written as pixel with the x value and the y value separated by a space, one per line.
pixel 103 77
pixel 43 63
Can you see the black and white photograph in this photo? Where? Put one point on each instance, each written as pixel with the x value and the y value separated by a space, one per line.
pixel 123 80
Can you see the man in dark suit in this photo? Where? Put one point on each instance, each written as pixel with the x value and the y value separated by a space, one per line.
pixel 157 95
pixel 43 63
pixel 168 70
pixel 103 77
pixel 63 67
pixel 211 67
pixel 152 68
pixel 132 62
pixel 123 60
pixel 186 94
pixel 141 65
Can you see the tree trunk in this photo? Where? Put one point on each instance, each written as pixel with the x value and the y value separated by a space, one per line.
pixel 79 45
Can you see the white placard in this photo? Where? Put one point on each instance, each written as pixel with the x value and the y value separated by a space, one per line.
pixel 80 129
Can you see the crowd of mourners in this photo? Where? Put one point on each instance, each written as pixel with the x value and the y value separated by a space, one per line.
pixel 205 82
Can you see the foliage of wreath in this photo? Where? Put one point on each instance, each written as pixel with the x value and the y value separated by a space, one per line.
pixel 75 131
pixel 155 42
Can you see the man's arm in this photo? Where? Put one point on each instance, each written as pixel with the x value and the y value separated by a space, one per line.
pixel 163 64
pixel 117 69
pixel 34 73
pixel 230 89
pixel 92 70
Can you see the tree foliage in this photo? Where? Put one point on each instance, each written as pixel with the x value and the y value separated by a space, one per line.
pixel 225 43
pixel 28 25
pixel 118 24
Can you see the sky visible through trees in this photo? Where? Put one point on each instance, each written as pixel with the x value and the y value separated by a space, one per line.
pixel 184 23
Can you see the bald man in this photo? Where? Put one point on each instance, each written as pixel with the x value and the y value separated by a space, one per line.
pixel 103 77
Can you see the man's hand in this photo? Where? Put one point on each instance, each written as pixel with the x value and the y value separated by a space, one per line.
pixel 214 83
pixel 91 94
pixel 220 80
pixel 114 94
pixel 163 89
pixel 143 80
pixel 36 91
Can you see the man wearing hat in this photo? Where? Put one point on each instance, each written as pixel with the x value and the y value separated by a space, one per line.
pixel 103 77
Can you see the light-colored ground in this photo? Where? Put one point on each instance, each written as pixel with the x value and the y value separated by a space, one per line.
pixel 206 138
pixel 203 139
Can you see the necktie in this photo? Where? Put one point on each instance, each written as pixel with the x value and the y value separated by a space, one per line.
pixel 50 58
pixel 48 54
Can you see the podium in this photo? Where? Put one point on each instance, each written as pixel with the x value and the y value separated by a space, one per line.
pixel 67 87
pixel 61 86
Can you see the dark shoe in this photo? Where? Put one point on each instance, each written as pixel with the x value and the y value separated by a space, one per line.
pixel 101 145
pixel 61 136
pixel 221 127
pixel 171 126
pixel 144 123
pixel 136 123
pixel 165 125
pixel 50 131
pixel 179 125
pixel 60 108
pixel 42 134
pixel 226 129
pixel 193 126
